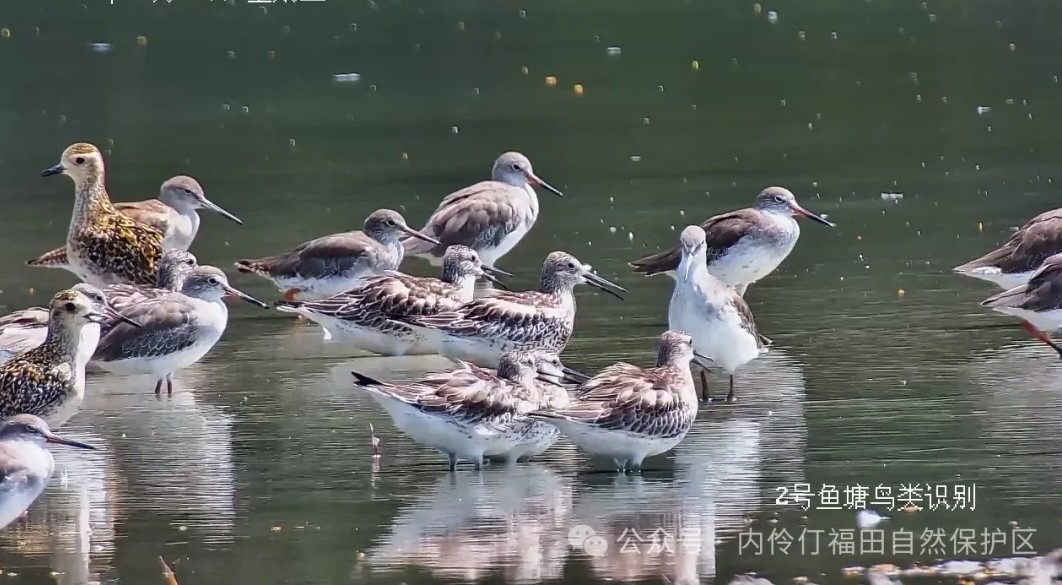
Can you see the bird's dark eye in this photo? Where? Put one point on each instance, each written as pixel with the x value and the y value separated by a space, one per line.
pixel 33 430
pixel 70 307
pixel 213 280
pixel 80 160
pixel 779 199
pixel 516 167
pixel 190 262
pixel 571 265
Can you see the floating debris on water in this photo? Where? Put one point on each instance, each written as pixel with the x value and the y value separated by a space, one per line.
pixel 636 158
pixel 347 77
pixel 613 51
pixel 100 47
pixel 772 17
pixel 982 110
pixel 523 70
pixel 141 41
pixel 891 196
pixel 696 65
pixel 551 81
pixel 757 8
pixel 5 33
pixel 870 518
pixel 454 130
pixel 578 89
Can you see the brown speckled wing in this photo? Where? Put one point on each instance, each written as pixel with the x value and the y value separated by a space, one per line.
pixel 392 296
pixel 31 317
pixel 30 385
pixel 477 216
pixel 122 247
pixel 517 317
pixel 722 231
pixel 748 321
pixel 150 212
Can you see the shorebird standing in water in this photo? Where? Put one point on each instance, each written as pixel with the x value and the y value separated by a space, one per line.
pixel 1038 303
pixel 712 312
pixel 332 264
pixel 1014 263
pixel 172 331
pixel 468 413
pixel 490 217
pixel 26 465
pixel 484 329
pixel 26 329
pixel 49 380
pixel 174 214
pixel 629 413
pixel 365 316
pixel 743 246
pixel 104 246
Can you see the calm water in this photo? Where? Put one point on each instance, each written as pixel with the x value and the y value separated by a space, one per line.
pixel 885 371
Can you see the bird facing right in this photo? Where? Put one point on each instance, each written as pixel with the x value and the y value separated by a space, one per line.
pixel 26 465
pixel 712 312
pixel 491 217
pixel 629 413
pixel 746 245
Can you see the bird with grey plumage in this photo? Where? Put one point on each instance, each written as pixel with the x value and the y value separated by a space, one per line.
pixel 743 246
pixel 491 217
pixel 332 264
pixel 1021 256
pixel 103 245
pixel 171 332
pixel 1038 302
pixel 482 330
pixel 27 328
pixel 365 316
pixel 175 214
pixel 49 380
pixel 467 413
pixel 712 312
pixel 26 464
pixel 628 413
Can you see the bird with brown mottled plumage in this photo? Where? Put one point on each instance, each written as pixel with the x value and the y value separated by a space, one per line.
pixel 103 245
pixel 174 213
pixel 48 380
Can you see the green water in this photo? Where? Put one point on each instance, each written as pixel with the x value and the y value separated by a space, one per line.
pixel 258 469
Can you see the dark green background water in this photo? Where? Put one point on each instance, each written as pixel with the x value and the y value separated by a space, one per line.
pixel 258 469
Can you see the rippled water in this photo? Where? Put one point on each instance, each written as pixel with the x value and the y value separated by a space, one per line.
pixel 884 371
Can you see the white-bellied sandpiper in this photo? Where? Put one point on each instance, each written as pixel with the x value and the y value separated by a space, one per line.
pixel 1014 263
pixel 26 465
pixel 490 217
pixel 175 330
pixel 482 330
pixel 711 311
pixel 467 413
pixel 365 316
pixel 743 246
pixel 332 264
pixel 1038 302
pixel 628 413
pixel 175 214
pixel 104 246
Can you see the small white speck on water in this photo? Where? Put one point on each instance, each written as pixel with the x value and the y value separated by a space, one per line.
pixel 372 87
pixel 347 77
pixel 914 76
pixel 811 126
pixel 660 88
pixel 613 51
pixel 918 97
pixel 772 17
pixel 1010 101
pixel 833 36
pixel 891 196
pixel 231 54
pixel 645 121
pixel 523 14
pixel 611 199
pixel 982 110
pixel 100 47
pixel 454 130
pixel 353 27
pixel 944 99
pixel 672 227
pixel 783 102
pixel 612 229
pixel 636 158
pixel 291 142
pixel 630 236
pixel 802 35
pixel 932 17
pixel 245 109
pixel 475 91
pixel 989 128
pixel 682 213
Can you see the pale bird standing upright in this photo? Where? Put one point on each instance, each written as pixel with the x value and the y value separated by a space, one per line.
pixel 712 312
pixel 104 246
pixel 175 214
pixel 491 217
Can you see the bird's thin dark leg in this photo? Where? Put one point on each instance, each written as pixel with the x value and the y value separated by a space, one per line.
pixel 158 387
pixel 1042 336
pixel 704 387
pixel 453 461
pixel 169 385
pixel 730 398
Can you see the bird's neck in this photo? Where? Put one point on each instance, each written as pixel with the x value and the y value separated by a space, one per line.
pixel 464 283
pixel 90 199
pixel 63 338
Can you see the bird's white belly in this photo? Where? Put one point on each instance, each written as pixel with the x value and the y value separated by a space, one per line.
pixel 1042 320
pixel 490 255
pixel 716 335
pixel 436 432
pixel 482 352
pixel 748 262
pixel 1005 281
pixel 390 343
pixel 535 438
pixel 161 365
pixel 619 445
pixel 315 289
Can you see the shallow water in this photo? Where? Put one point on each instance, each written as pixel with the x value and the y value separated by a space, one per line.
pixel 884 369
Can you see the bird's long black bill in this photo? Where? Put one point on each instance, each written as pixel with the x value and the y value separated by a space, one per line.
pixel 50 171
pixel 812 216
pixel 233 293
pixel 604 285
pixel 116 315
pixel 218 210
pixel 490 277
pixel 575 375
pixel 69 442
pixel 419 235
pixel 496 271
